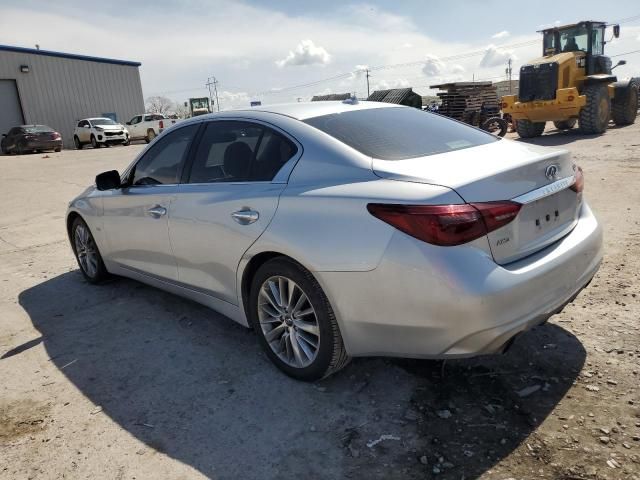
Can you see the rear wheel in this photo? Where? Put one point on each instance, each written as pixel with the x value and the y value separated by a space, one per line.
pixel 87 253
pixel 624 110
pixel 151 134
pixel 294 321
pixel 77 143
pixel 529 129
pixel 594 117
pixel 94 142
pixel 565 124
pixel 57 150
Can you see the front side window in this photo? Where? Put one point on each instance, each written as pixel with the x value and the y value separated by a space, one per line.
pixel 397 133
pixel 231 151
pixel 161 164
pixel 135 120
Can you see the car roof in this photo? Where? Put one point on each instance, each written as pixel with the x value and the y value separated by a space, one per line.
pixel 97 118
pixel 305 110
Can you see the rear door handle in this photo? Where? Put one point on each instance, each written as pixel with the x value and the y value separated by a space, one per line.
pixel 245 216
pixel 157 211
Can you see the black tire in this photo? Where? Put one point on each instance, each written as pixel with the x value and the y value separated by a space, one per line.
pixel 57 150
pixel 4 151
pixel 20 150
pixel 529 129
pixel 594 117
pixel 77 143
pixel 127 142
pixel 331 354
pixel 496 126
pixel 94 142
pixel 100 273
pixel 624 110
pixel 565 124
pixel 151 134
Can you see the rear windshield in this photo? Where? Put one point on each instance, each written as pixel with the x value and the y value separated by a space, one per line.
pixel 37 129
pixel 398 133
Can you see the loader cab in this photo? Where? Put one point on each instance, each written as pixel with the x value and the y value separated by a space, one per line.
pixel 586 39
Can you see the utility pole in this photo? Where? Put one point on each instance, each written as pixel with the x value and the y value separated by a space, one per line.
pixel 508 71
pixel 367 75
pixel 214 82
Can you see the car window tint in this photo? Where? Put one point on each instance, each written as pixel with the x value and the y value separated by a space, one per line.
pixel 148 118
pixel 161 164
pixel 226 152
pixel 274 151
pixel 396 133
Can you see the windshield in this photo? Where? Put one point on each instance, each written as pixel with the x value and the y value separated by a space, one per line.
pixel 102 121
pixel 399 132
pixel 37 129
pixel 573 39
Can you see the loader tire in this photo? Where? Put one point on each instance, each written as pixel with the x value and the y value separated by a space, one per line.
pixel 624 110
pixel 565 124
pixel 529 129
pixel 594 117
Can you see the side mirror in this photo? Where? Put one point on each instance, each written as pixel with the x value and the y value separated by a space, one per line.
pixel 616 31
pixel 619 64
pixel 4 134
pixel 108 180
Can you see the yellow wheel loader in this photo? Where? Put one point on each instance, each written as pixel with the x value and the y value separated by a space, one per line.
pixel 571 82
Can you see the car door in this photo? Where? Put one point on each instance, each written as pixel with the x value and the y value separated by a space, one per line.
pixel 84 132
pixel 135 216
pixel 228 197
pixel 134 126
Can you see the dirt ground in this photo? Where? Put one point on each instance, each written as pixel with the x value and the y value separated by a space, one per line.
pixel 123 381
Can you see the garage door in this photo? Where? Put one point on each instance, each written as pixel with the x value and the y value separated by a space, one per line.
pixel 10 109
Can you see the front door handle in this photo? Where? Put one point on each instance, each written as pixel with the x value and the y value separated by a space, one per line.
pixel 157 211
pixel 245 216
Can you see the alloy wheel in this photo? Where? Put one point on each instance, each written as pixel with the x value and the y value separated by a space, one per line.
pixel 86 251
pixel 288 321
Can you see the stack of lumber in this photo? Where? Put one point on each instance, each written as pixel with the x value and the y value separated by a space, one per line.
pixel 462 100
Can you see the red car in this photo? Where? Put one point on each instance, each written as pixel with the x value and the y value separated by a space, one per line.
pixel 30 138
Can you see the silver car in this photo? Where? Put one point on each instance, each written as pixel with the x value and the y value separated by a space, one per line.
pixel 341 229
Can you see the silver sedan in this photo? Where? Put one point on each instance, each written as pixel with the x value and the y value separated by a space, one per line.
pixel 341 229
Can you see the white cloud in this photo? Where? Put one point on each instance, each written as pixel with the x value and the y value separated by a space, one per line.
pixel 433 66
pixel 358 72
pixel 392 83
pixel 458 69
pixel 502 34
pixel 495 56
pixel 407 45
pixel 306 53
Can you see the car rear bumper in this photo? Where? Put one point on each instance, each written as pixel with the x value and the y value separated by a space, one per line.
pixel 44 145
pixel 438 302
pixel 567 104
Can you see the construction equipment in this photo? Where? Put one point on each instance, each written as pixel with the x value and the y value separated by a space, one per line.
pixel 199 106
pixel 475 103
pixel 572 81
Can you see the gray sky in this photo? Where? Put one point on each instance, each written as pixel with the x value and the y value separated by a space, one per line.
pixel 257 49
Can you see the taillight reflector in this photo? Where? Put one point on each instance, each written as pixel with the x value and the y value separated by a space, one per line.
pixel 446 225
pixel 578 185
pixel 161 124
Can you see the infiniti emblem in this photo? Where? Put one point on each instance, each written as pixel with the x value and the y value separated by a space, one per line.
pixel 552 171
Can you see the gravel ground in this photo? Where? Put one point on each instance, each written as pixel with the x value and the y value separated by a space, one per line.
pixel 124 381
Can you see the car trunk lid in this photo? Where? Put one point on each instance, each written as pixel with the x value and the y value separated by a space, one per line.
pixel 539 178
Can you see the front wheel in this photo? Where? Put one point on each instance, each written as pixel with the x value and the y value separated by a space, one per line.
pixel 87 253
pixel 294 321
pixel 496 126
pixel 594 116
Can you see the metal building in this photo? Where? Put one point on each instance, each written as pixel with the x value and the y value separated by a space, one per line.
pixel 58 89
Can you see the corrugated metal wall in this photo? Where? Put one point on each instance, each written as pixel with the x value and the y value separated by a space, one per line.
pixel 60 91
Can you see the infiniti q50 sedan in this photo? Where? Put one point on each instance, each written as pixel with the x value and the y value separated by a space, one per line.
pixel 341 229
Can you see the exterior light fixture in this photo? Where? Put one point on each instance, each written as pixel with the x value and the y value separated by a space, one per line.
pixel 24 68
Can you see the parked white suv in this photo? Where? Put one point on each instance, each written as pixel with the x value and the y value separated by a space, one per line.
pixel 148 126
pixel 99 132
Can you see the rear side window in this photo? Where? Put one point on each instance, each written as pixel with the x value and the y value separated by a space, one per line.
pixel 397 133
pixel 232 151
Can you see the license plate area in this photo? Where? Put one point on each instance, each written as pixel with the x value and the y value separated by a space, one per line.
pixel 538 224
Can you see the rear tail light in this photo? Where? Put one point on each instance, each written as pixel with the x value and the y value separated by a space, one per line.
pixel 161 124
pixel 446 225
pixel 578 185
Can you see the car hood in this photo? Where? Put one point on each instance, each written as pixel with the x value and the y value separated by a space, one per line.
pixel 111 127
pixel 496 171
